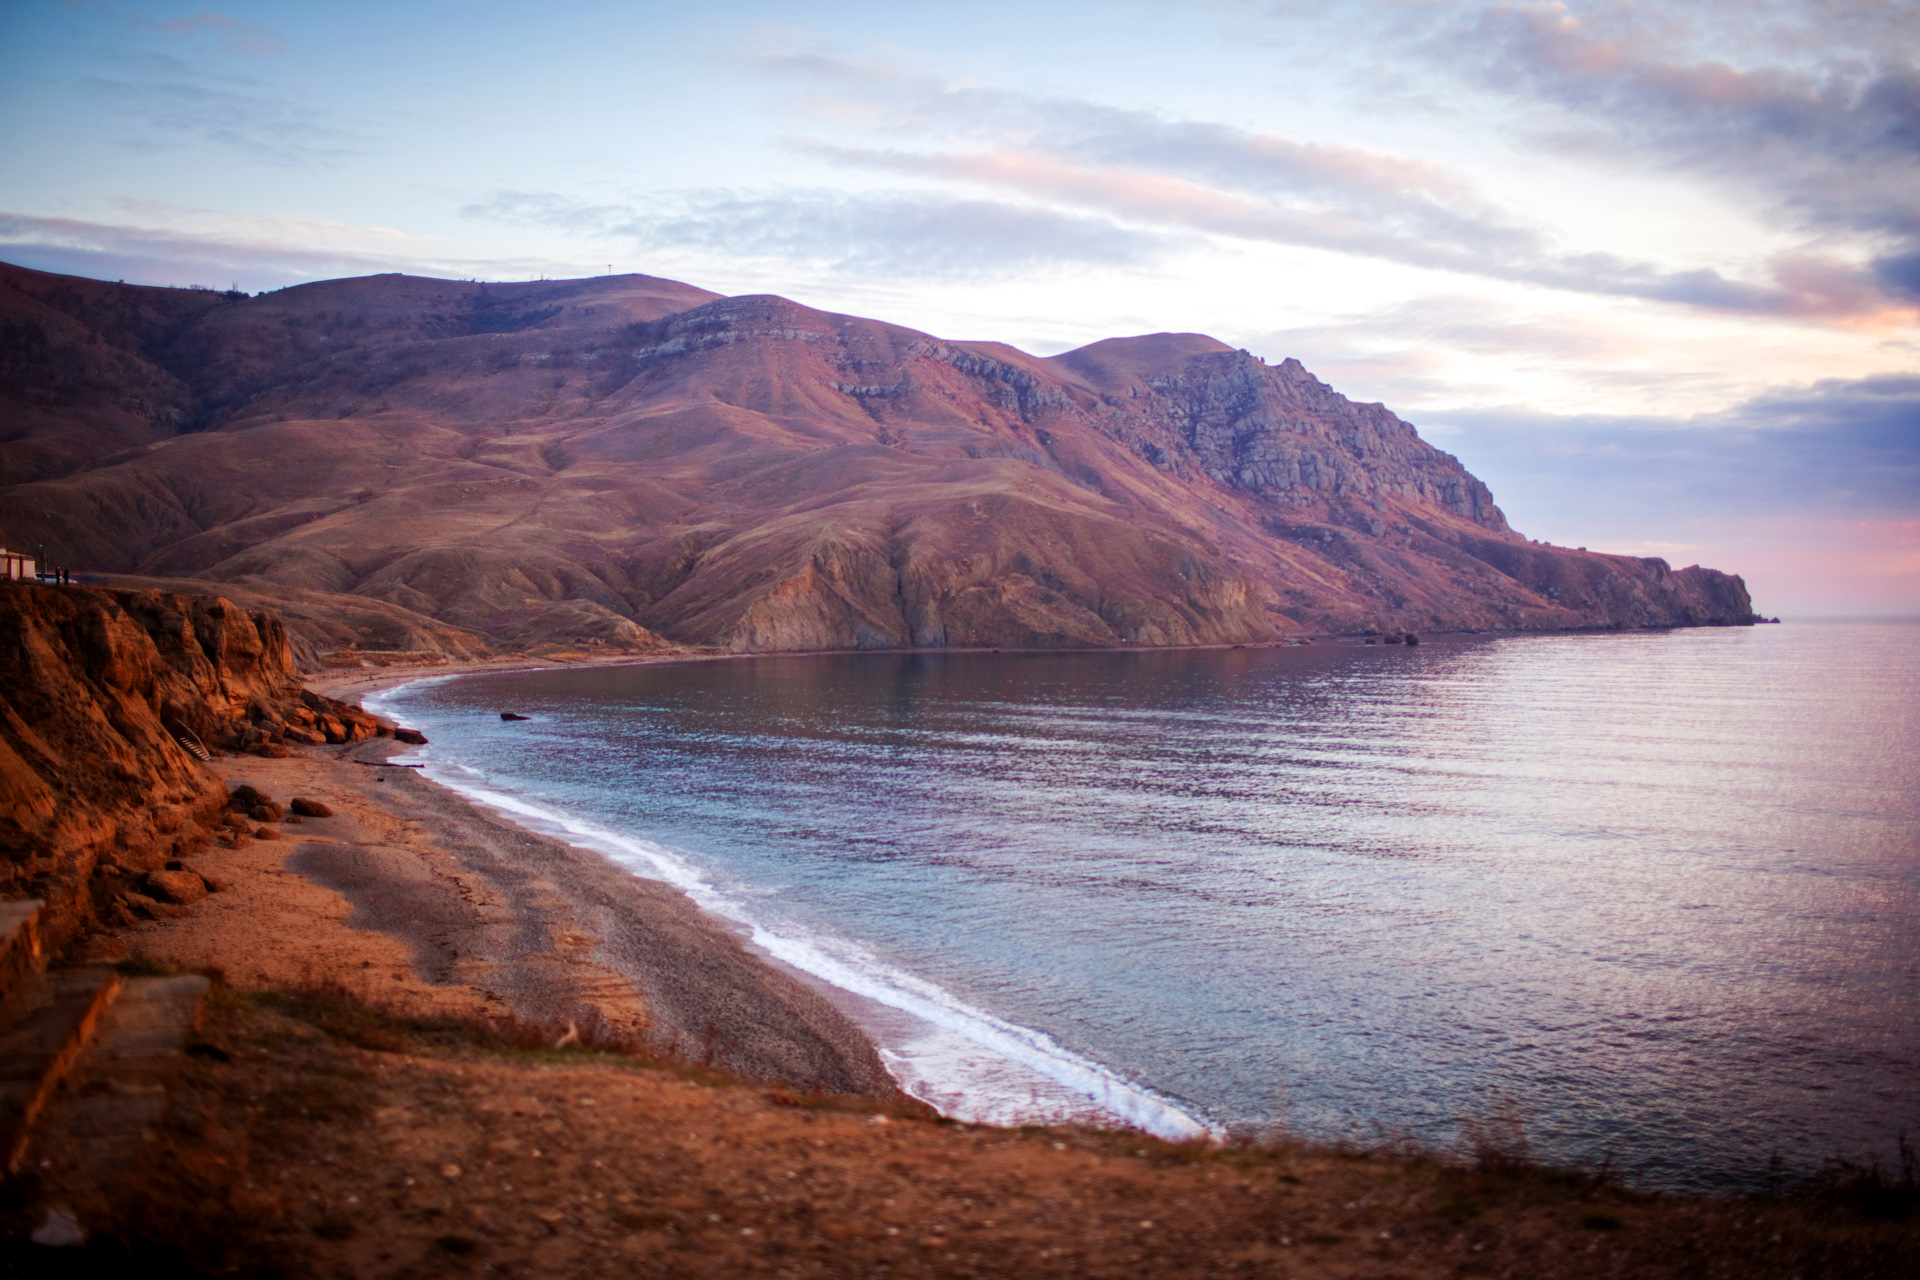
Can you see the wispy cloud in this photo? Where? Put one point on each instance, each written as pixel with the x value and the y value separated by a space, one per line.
pixel 262 126
pixel 1813 107
pixel 202 21
pixel 1454 349
pixel 1201 177
pixel 552 209
pixel 1836 448
pixel 1811 492
pixel 247 40
pixel 899 235
pixel 213 249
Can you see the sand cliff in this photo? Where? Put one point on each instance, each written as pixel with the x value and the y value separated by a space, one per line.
pixel 105 697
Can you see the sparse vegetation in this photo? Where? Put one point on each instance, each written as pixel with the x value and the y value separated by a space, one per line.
pixel 1871 1190
pixel 329 1133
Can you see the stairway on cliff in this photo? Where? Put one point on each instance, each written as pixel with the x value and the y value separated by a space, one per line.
pixel 191 745
pixel 86 1057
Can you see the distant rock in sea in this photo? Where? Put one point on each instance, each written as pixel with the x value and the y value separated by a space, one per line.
pixel 443 466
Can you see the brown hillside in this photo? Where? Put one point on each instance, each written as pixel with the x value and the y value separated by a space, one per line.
pixel 623 458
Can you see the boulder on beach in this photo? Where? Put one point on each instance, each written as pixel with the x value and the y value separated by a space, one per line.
pixel 179 887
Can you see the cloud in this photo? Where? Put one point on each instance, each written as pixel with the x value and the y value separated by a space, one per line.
pixel 1454 349
pixel 201 21
pixel 549 209
pixel 258 253
pixel 904 235
pixel 1814 107
pixel 1812 492
pixel 1185 176
pixel 260 126
pixel 883 235
pixel 1367 222
pixel 1837 448
pixel 251 41
pixel 257 42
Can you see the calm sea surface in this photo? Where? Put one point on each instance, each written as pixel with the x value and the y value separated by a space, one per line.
pixel 1656 896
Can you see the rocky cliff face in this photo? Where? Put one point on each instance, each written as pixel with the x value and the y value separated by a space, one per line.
pixel 1194 406
pixel 626 459
pixel 100 693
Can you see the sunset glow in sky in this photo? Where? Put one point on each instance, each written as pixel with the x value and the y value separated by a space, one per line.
pixel 1652 270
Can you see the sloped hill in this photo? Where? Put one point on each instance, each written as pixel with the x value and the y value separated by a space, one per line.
pixel 622 457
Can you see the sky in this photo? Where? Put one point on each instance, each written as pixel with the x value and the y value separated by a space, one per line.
pixel 1651 270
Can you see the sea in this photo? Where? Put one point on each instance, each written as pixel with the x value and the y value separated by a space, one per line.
pixel 1647 901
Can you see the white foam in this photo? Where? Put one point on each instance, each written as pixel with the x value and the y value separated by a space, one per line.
pixel 956 1057
pixel 380 701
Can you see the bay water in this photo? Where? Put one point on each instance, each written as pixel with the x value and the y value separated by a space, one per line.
pixel 1650 899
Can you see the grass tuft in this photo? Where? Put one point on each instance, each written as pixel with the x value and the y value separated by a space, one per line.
pixel 1872 1192
pixel 137 968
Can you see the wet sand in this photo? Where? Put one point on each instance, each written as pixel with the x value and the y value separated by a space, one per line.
pixel 350 684
pixel 416 899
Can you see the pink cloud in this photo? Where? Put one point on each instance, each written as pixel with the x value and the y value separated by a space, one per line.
pixel 253 42
pixel 1375 206
pixel 201 21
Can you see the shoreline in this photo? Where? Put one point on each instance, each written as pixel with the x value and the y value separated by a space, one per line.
pixel 957 1060
pixel 886 1025
pixel 410 896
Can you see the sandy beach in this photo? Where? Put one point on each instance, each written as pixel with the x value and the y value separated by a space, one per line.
pixel 384 671
pixel 417 900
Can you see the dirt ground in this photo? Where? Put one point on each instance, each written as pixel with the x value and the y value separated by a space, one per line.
pixel 311 1137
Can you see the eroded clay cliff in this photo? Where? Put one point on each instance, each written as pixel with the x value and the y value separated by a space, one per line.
pixel 105 698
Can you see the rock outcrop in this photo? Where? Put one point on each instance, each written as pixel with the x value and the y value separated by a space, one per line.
pixel 439 465
pixel 107 699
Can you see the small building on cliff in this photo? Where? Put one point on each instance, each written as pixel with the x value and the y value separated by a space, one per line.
pixel 16 564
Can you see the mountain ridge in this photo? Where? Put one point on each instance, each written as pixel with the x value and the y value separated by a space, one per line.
pixel 624 458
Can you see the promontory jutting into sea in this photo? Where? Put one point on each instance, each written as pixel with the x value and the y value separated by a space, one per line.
pixel 439 464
